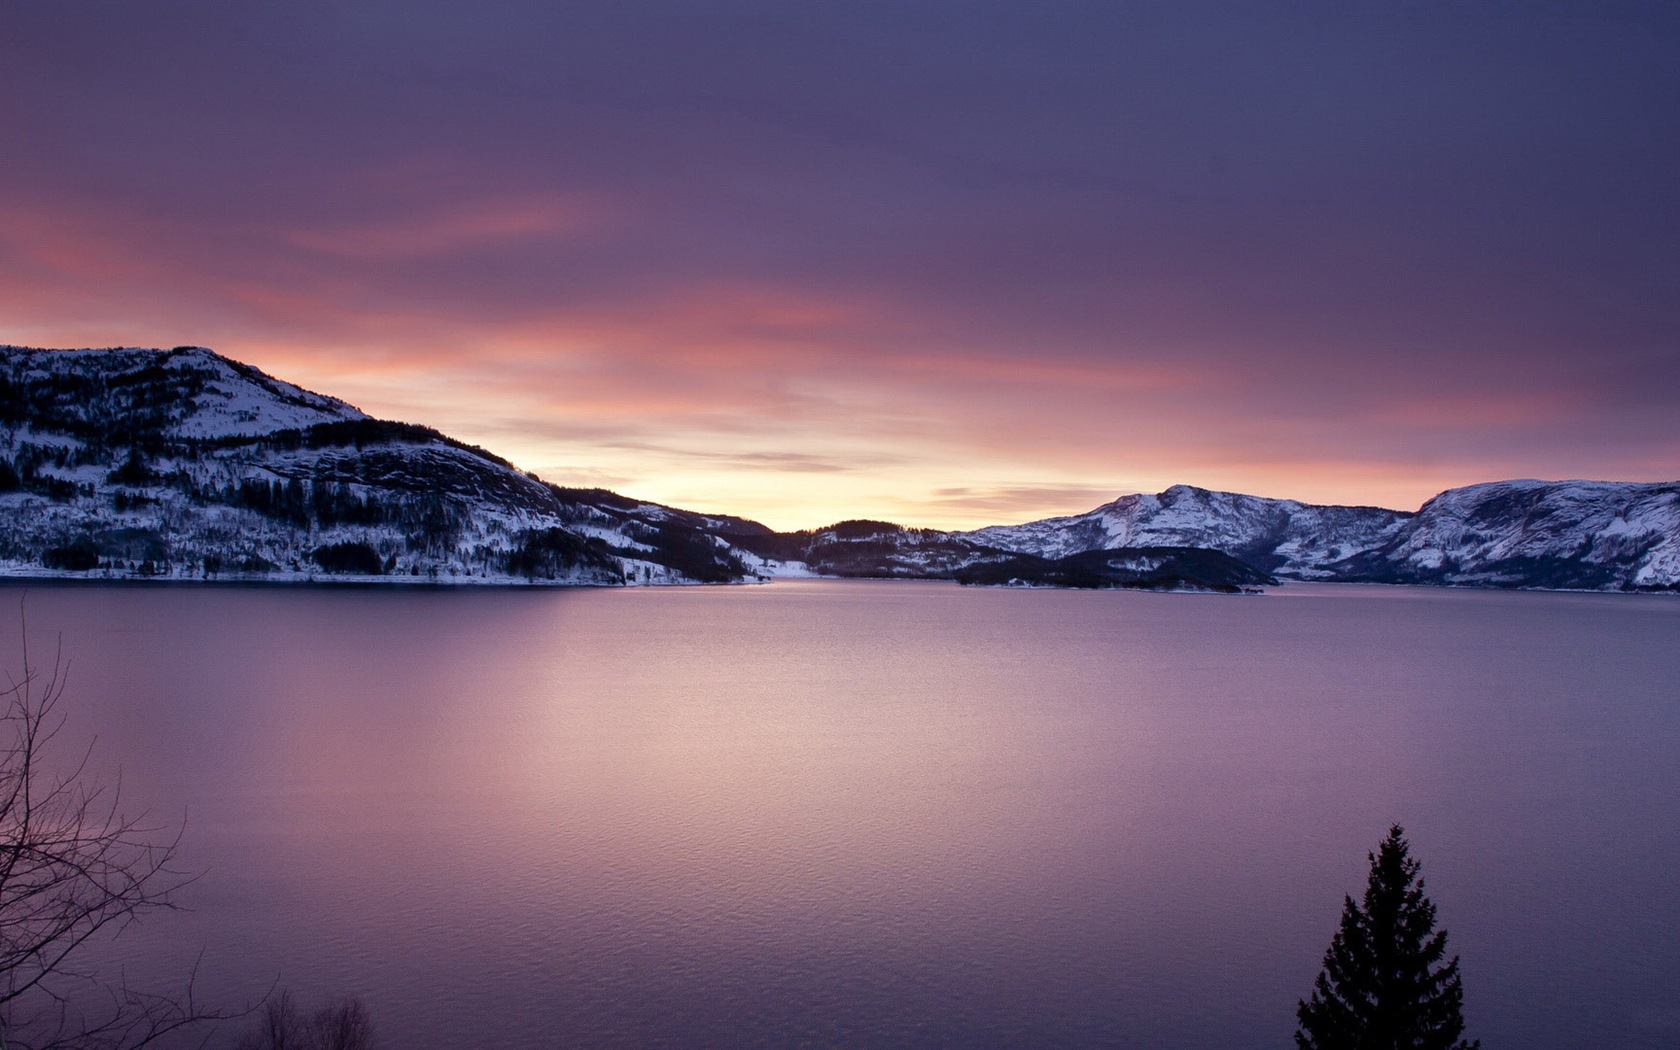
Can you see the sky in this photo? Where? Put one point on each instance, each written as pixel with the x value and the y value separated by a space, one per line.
pixel 947 264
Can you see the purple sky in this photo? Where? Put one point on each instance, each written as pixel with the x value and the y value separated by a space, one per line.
pixel 948 264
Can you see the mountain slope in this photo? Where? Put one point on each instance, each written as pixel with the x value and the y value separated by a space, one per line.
pixel 184 464
pixel 1588 535
pixel 1299 540
pixel 181 463
pixel 872 549
pixel 1135 568
pixel 127 394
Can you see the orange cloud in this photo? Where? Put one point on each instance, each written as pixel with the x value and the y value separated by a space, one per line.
pixel 771 397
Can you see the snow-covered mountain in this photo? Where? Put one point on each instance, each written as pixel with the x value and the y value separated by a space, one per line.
pixel 185 393
pixel 872 549
pixel 1588 535
pixel 184 464
pixel 1591 535
pixel 881 550
pixel 1299 540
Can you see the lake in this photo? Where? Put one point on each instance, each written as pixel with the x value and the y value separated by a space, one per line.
pixel 887 814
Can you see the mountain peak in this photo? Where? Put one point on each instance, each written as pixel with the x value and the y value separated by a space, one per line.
pixel 130 461
pixel 189 392
pixel 182 463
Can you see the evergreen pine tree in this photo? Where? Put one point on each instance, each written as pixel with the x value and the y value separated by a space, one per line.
pixel 1383 986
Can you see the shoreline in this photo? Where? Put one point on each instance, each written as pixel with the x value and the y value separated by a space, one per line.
pixel 11 577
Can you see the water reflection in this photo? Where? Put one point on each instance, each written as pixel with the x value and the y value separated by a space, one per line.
pixel 892 814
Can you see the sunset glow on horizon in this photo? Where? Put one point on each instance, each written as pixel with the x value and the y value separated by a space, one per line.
pixel 946 265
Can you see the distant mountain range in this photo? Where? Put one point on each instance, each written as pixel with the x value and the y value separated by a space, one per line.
pixel 1588 535
pixel 182 464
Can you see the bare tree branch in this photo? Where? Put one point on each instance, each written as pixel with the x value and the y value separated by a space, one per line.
pixel 74 869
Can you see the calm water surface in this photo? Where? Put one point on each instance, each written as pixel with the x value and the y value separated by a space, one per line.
pixel 872 814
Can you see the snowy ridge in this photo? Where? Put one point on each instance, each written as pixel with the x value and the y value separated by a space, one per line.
pixel 1591 535
pixel 132 463
pixel 1285 537
pixel 1586 535
pixel 178 464
pixel 239 399
pixel 187 392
